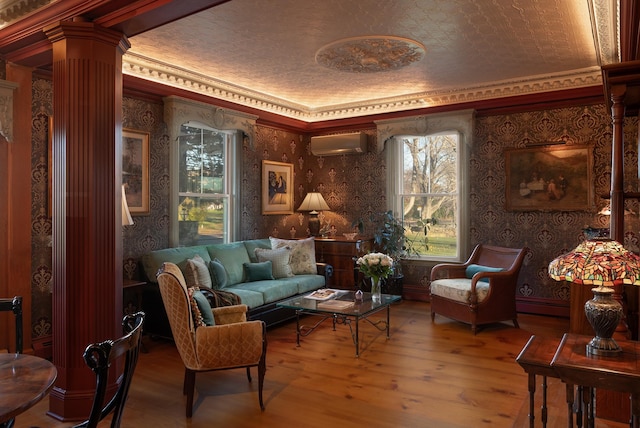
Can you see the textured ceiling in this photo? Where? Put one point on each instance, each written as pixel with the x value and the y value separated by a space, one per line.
pixel 262 53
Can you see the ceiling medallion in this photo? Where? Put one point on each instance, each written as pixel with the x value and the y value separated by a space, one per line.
pixel 370 54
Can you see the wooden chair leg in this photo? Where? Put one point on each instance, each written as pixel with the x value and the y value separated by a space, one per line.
pixel 515 323
pixel 249 373
pixel 433 316
pixel 262 369
pixel 189 389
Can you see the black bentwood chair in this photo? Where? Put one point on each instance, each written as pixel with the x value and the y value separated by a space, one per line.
pixel 100 356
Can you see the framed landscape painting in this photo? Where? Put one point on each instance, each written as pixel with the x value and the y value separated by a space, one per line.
pixel 277 187
pixel 549 178
pixel 135 170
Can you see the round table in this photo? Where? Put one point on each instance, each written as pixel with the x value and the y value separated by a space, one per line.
pixel 24 380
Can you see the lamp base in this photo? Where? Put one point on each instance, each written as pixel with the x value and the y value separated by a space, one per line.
pixel 314 224
pixel 603 347
pixel 603 313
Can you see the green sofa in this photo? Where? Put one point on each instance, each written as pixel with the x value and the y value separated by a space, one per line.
pixel 260 271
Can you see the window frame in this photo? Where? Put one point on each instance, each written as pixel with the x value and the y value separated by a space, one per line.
pixel 460 123
pixel 230 165
pixel 179 110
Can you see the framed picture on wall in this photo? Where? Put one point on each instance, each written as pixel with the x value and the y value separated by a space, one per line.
pixel 277 187
pixel 135 170
pixel 549 178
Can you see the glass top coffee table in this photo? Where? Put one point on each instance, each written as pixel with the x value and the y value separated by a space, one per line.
pixel 341 309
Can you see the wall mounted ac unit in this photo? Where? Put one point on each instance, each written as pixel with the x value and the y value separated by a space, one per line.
pixel 339 144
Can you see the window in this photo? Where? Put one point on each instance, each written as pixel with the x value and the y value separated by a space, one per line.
pixel 428 192
pixel 204 184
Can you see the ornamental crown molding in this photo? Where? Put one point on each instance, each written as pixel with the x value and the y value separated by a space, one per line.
pixel 174 76
pixel 13 10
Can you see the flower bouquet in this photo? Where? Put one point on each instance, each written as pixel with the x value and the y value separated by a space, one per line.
pixel 375 266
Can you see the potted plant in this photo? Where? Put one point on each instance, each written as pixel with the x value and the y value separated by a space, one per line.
pixel 390 238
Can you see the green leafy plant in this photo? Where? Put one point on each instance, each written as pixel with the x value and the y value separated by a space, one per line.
pixel 390 236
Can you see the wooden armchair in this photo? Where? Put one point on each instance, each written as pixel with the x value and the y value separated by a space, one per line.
pixel 480 291
pixel 233 342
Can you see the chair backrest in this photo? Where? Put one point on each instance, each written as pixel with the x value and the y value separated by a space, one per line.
pixel 100 356
pixel 15 305
pixel 175 297
pixel 507 258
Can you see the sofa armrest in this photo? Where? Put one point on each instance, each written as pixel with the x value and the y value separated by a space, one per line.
pixel 230 314
pixel 325 270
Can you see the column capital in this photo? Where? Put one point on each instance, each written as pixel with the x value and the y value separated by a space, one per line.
pixel 86 30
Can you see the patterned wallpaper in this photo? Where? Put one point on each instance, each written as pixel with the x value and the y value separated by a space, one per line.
pixel 354 187
pixel 546 234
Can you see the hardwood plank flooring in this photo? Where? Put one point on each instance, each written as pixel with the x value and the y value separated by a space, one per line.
pixel 426 375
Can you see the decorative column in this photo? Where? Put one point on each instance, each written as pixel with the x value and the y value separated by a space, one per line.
pixel 15 118
pixel 617 163
pixel 86 210
pixel 7 205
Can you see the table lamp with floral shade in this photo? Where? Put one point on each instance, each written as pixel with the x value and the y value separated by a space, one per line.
pixel 604 263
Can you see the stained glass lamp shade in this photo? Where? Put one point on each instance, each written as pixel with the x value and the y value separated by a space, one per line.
pixel 603 263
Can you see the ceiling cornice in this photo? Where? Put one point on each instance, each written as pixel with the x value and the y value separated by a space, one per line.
pixel 173 76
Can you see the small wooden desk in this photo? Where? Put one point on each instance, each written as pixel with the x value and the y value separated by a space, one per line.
pixel 24 380
pixel 617 373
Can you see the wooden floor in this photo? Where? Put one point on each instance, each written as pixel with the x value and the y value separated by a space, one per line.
pixel 426 375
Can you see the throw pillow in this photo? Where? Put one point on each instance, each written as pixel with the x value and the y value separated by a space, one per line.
pixel 258 271
pixel 232 256
pixel 474 269
pixel 280 260
pixel 195 310
pixel 218 274
pixel 303 254
pixel 196 273
pixel 204 307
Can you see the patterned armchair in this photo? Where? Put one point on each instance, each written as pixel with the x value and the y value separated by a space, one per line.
pixel 233 342
pixel 480 291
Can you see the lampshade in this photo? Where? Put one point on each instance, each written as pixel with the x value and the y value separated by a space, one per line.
pixel 314 202
pixel 126 215
pixel 604 263
pixel 601 262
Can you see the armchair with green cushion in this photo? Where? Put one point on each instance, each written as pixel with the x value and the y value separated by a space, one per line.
pixel 232 342
pixel 480 291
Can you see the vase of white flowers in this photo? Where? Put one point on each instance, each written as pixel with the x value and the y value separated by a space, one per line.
pixel 376 266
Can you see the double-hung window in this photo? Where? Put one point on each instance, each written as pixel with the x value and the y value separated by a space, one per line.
pixel 205 184
pixel 426 192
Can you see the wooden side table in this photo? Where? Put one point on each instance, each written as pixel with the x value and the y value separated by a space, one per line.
pixel 339 252
pixel 617 373
pixel 535 358
pixel 135 286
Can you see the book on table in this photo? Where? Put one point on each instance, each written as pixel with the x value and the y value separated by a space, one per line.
pixel 335 304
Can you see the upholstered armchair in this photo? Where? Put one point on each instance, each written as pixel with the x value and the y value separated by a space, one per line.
pixel 480 291
pixel 233 342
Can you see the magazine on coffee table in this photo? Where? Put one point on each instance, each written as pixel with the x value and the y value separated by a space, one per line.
pixel 324 294
pixel 335 305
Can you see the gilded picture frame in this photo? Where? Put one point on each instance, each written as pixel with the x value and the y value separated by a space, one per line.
pixel 277 188
pixel 549 178
pixel 135 170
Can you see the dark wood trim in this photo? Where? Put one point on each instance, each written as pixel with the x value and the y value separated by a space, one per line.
pixel 629 30
pixel 540 306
